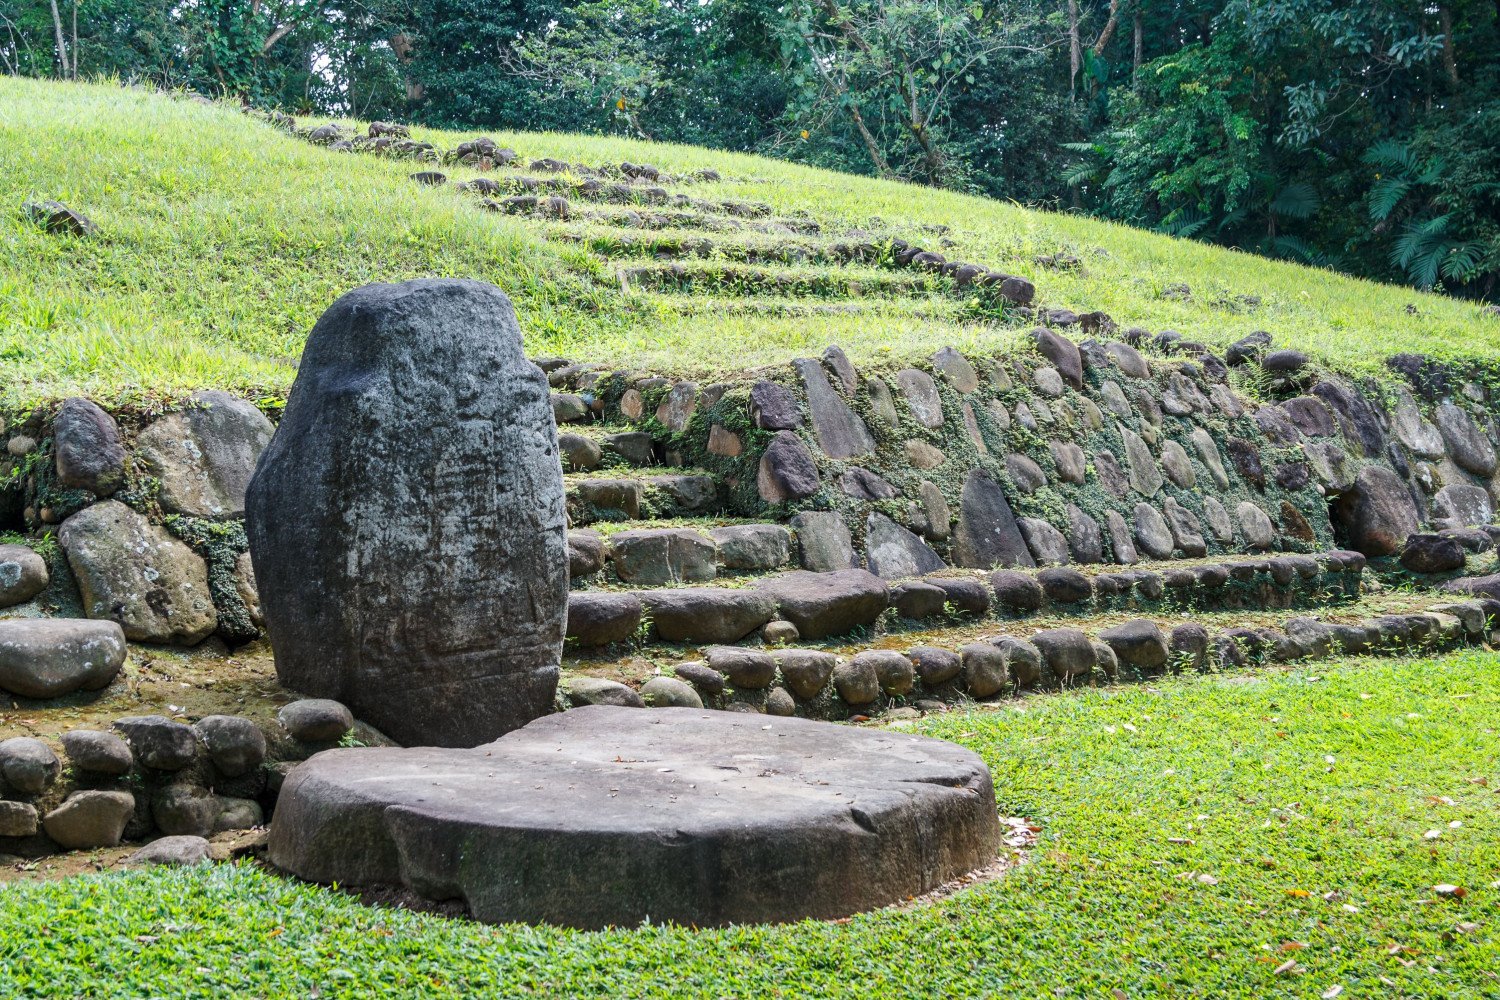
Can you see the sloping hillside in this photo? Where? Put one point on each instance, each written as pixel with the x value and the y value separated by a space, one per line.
pixel 222 239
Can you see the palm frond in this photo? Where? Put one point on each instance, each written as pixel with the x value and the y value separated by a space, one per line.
pixel 1296 201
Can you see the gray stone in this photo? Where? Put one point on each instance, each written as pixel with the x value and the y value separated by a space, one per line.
pixel 1105 659
pixel 827 604
pixel 707 614
pixel 862 484
pixel 1332 466
pixel 1179 468
pixel 839 430
pixel 1467 444
pixel 1067 652
pixel 1139 644
pixel 568 408
pixel 1085 543
pixel 1460 504
pixel 18 819
pixel 773 407
pixel 894 672
pixel 753 547
pixel 585 554
pixel 1016 592
pixel 133 572
pixel 1310 416
pixel 1188 646
pixel 28 765
pixel 234 744
pixel 1413 430
pixel 601 691
pixel 778 631
pixel 921 395
pixel 1377 514
pixel 780 703
pixel 678 406
pixel 628 791
pixel 1145 477
pixel 823 541
pixel 1121 540
pixel 427 588
pixel 957 369
pixel 986 669
pixel 787 470
pixel 669 692
pixel 1048 382
pixel 90 819
pixel 882 402
pixel 158 742
pixel 922 455
pixel 236 814
pixel 893 552
pixel 1070 461
pixel 89 455
pixel 987 534
pixel 1065 586
pixel 1220 525
pixel 805 671
pixel 1022 659
pixel 1152 533
pixel 315 720
pixel 936 516
pixel 702 677
pixel 856 681
pixel 51 657
pixel 998 414
pixel 579 453
pixel 1128 359
pixel 1255 525
pixel 660 556
pixel 918 600
pixel 174 852
pixel 23 575
pixel 204 455
pixel 635 447
pixel 598 618
pixel 1024 473
pixel 97 752
pixel 248 591
pixel 1062 352
pixel 1114 399
pixel 185 811
pixel 1187 531
pixel 838 364
pixel 1049 547
pixel 1425 554
pixel 934 666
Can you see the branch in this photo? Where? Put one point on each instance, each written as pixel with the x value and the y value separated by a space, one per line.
pixel 1109 28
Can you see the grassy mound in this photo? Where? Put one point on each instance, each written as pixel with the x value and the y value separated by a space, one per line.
pixel 222 240
pixel 1233 836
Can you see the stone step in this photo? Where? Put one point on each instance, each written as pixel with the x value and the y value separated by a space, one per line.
pixel 743 248
pixel 673 551
pixel 836 602
pixel 731 279
pixel 966 664
pixel 634 494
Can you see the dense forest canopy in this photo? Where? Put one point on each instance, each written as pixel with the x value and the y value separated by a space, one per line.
pixel 1362 136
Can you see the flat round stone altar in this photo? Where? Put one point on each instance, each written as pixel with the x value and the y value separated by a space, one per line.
pixel 611 816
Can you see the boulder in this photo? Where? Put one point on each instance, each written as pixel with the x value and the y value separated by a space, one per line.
pixel 133 572
pixel 23 575
pixel 1467 444
pixel 918 600
pixel 503 826
pixel 894 672
pixel 893 552
pixel 827 604
pixel 1065 586
pixel 703 678
pixel 426 588
pixel 583 691
pixel 96 752
pixel 315 720
pixel 1377 514
pixel 962 595
pixel 856 681
pixel 185 811
pixel 1187 531
pixel 1025 474
pixel 18 819
pixel 173 852
pixel 28 765
pixel 986 669
pixel 158 742
pixel 1063 354
pixel 1152 534
pixel 1023 660
pixel 1139 644
pixel 745 669
pixel 90 819
pixel 1016 592
pixel 585 554
pixel 773 407
pixel 598 618
pixel 669 692
pixel 753 547
pixel 921 395
pixel 1432 554
pixel 662 556
pixel 839 431
pixel 51 657
pixel 1145 477
pixel 1459 504
pixel 823 541
pixel 1049 547
pixel 203 456
pixel 707 614
pixel 579 453
pixel 805 671
pixel 787 470
pixel 234 744
pixel 987 534
pixel 934 666
pixel 1067 652
pixel 89 455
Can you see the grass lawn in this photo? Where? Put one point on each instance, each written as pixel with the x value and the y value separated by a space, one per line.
pixel 1198 836
pixel 222 240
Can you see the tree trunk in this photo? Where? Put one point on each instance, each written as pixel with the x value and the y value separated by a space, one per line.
pixel 75 39
pixel 1450 57
pixel 871 146
pixel 1108 34
pixel 1075 49
pixel 62 44
pixel 402 46
pixel 1136 67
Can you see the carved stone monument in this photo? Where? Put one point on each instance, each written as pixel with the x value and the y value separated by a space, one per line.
pixel 407 522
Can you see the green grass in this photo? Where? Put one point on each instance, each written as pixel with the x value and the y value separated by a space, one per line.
pixel 223 240
pixel 1303 796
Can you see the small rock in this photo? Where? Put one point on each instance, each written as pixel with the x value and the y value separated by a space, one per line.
pixel 669 692
pixel 934 666
pixel 89 819
pixel 1427 554
pixel 704 678
pixel 234 744
pixel 779 632
pixel 745 669
pixel 89 453
pixel 805 671
pixel 315 720
pixel 28 765
pixel 97 752
pixel 601 691
pixel 177 852
pixel 23 575
pixel 158 742
pixel 985 669
pixel 856 681
pixel 780 703
pixel 17 819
